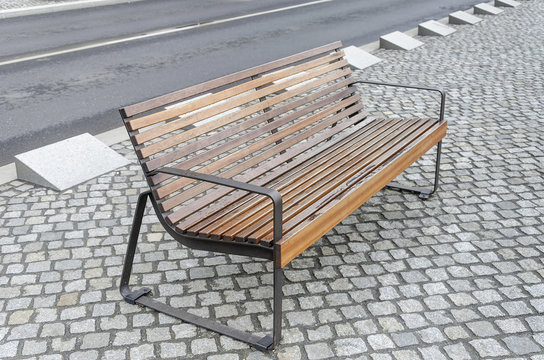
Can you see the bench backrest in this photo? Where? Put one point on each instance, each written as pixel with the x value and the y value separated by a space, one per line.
pixel 241 125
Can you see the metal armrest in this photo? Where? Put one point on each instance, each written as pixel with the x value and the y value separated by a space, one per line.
pixel 418 87
pixel 274 195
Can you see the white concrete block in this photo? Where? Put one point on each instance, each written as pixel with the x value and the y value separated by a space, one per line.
pixel 434 28
pixel 486 9
pixel 463 18
pixel 399 41
pixel 359 58
pixel 69 162
pixel 507 3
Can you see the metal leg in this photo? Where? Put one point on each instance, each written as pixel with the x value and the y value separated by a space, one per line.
pixel 278 295
pixel 139 296
pixel 424 193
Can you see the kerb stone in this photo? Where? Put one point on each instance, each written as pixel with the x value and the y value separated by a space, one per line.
pixel 486 9
pixel 434 28
pixel 507 3
pixel 399 41
pixel 359 58
pixel 463 18
pixel 69 162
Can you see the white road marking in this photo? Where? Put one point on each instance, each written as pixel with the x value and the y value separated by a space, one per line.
pixel 160 32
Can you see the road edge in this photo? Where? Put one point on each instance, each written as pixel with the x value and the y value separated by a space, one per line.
pixel 9 172
pixel 73 5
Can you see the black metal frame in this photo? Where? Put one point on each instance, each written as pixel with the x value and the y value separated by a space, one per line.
pixel 423 193
pixel 271 253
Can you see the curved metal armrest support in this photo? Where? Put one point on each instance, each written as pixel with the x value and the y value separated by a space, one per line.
pixel 418 87
pixel 274 195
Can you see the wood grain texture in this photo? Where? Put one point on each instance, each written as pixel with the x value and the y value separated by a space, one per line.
pixel 308 232
pixel 180 95
pixel 211 99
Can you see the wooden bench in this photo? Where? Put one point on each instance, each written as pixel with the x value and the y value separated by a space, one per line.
pixel 266 161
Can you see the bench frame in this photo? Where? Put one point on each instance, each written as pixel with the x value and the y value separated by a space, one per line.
pixel 261 343
pixel 273 253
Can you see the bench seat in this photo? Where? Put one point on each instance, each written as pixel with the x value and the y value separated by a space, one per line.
pixel 317 190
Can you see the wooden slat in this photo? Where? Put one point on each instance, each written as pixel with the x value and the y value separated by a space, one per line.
pixel 219 108
pixel 235 129
pixel 211 99
pixel 273 168
pixel 249 150
pixel 312 181
pixel 252 148
pixel 179 95
pixel 249 213
pixel 309 203
pixel 338 208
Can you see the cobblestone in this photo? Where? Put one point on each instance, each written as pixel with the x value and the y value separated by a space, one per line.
pixel 459 276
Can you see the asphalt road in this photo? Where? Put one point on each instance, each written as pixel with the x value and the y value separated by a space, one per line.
pixel 57 96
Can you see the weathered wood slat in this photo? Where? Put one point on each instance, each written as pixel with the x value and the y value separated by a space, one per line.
pixel 273 168
pixel 235 129
pixel 227 119
pixel 262 156
pixel 183 94
pixel 310 205
pixel 287 183
pixel 196 104
pixel 303 190
pixel 338 208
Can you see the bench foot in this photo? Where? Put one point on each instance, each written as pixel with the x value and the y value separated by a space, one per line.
pixel 140 296
pixel 422 192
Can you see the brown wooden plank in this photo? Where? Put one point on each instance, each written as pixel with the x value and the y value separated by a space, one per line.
pixel 273 168
pixel 392 150
pixel 227 119
pixel 306 233
pixel 224 219
pixel 309 203
pixel 313 183
pixel 131 110
pixel 233 130
pixel 251 149
pixel 263 156
pixel 309 173
pixel 199 103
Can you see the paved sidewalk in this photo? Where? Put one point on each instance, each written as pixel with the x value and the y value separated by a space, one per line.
pixel 459 276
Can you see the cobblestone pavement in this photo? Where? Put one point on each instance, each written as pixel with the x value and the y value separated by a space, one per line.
pixel 459 276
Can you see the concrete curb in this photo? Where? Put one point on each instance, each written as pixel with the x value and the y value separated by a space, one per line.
pixel 73 5
pixel 8 172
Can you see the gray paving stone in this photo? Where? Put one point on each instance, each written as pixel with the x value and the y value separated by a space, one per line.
pixel 521 345
pixel 203 346
pixel 350 346
pixel 318 351
pixel 173 350
pixel 488 347
pixel 145 351
pixel 95 340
